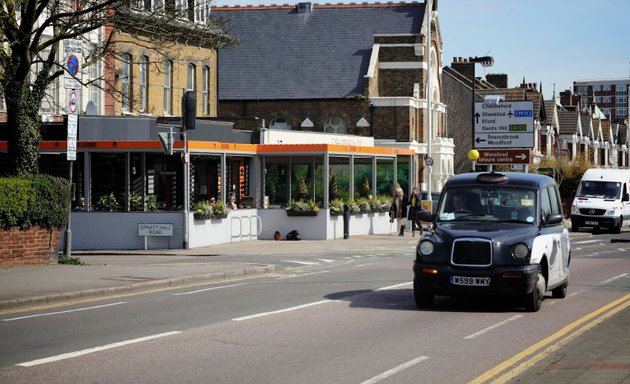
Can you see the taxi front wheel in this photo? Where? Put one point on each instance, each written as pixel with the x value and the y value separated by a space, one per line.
pixel 533 300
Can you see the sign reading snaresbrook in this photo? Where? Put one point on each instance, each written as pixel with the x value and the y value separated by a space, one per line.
pixel 506 124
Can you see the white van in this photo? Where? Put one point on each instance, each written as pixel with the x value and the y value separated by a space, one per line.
pixel 602 200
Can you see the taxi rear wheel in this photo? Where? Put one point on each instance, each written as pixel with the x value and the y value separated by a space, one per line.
pixel 533 300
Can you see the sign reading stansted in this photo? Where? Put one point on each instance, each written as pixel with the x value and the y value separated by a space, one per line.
pixel 505 124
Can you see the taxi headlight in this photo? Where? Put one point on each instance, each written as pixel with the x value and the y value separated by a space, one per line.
pixel 426 247
pixel 520 251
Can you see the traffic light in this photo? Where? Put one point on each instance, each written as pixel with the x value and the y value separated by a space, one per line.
pixel 189 110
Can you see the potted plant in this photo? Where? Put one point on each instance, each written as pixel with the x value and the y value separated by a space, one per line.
pixel 108 203
pixel 336 207
pixel 364 205
pixel 302 208
pixel 202 210
pixel 219 211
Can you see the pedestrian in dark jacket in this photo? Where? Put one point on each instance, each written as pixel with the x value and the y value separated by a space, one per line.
pixel 398 210
pixel 415 206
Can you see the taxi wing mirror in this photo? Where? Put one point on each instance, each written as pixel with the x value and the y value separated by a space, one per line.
pixel 552 218
pixel 425 216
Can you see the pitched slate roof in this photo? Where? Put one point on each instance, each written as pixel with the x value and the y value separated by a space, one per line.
pixel 568 121
pixel 284 54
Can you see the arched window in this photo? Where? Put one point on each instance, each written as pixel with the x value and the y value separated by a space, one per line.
pixel 168 89
pixel 205 90
pixel 125 82
pixel 280 123
pixel 335 125
pixel 144 83
pixel 191 77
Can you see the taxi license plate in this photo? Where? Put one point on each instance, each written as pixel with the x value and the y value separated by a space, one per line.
pixel 471 281
pixel 590 222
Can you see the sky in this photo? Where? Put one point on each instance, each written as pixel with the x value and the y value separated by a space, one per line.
pixel 553 42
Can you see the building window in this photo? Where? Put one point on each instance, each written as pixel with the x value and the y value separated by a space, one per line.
pixel 201 11
pixel 157 5
pixel 606 87
pixel 182 5
pixel 95 85
pixel 280 123
pixel 144 81
pixel 190 85
pixel 335 125
pixel 125 82
pixel 168 90
pixel 205 89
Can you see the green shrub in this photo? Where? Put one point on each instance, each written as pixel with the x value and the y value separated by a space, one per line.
pixel 38 200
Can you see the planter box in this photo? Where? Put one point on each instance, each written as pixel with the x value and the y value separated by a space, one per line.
pixel 297 213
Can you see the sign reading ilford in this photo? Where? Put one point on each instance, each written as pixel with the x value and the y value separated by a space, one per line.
pixel 506 124
pixel 503 156
pixel 155 229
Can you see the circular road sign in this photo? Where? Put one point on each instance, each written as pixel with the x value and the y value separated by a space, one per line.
pixel 429 161
pixel 73 102
pixel 73 65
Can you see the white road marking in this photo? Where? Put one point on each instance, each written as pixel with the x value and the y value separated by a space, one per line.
pixel 67 311
pixel 208 289
pixel 326 260
pixel 282 310
pixel 586 241
pixel 497 325
pixel 292 276
pixel 576 293
pixel 92 350
pixel 395 370
pixel 363 265
pixel 301 262
pixel 392 287
pixel 613 279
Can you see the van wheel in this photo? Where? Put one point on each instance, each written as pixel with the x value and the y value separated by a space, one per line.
pixel 617 229
pixel 423 299
pixel 561 291
pixel 533 300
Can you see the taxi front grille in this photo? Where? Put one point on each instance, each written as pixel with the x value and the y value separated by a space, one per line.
pixel 472 252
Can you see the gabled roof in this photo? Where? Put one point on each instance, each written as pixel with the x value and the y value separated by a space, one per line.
pixel 550 109
pixel 288 54
pixel 568 121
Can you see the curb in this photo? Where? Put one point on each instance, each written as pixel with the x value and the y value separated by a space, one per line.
pixel 21 303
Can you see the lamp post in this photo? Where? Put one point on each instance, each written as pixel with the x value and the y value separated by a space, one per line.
pixel 485 61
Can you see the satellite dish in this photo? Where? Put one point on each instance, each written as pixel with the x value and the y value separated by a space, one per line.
pixel 90 109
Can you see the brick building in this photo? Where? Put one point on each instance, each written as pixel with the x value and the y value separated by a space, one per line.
pixel 342 69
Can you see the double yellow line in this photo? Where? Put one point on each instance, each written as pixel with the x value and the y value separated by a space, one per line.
pixel 524 360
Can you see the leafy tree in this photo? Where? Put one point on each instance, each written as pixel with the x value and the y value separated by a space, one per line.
pixel 32 33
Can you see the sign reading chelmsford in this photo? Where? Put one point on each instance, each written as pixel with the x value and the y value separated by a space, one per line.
pixel 155 229
pixel 506 124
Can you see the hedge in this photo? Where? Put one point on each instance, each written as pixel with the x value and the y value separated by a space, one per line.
pixel 39 200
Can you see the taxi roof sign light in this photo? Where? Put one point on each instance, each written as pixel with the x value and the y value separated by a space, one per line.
pixel 492 178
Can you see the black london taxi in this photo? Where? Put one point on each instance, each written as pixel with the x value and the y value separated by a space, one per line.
pixel 494 234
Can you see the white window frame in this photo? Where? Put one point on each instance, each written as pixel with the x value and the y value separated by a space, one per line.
pixel 168 87
pixel 143 79
pixel 125 82
pixel 205 90
pixel 95 85
pixel 191 77
pixel 201 11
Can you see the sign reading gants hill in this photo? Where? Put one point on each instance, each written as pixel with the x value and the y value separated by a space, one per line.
pixel 506 124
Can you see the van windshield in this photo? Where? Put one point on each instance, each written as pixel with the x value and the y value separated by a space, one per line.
pixel 601 189
pixel 488 203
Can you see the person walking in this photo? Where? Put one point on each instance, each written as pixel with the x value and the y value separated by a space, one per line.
pixel 398 210
pixel 415 206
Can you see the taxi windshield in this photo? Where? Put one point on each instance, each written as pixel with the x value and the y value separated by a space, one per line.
pixel 488 203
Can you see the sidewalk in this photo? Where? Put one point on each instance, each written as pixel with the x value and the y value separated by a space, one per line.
pixel 601 355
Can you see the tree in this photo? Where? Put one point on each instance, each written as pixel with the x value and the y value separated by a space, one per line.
pixel 365 190
pixel 301 190
pixel 31 34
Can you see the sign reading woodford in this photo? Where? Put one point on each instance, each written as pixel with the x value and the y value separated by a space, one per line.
pixel 503 156
pixel 506 124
